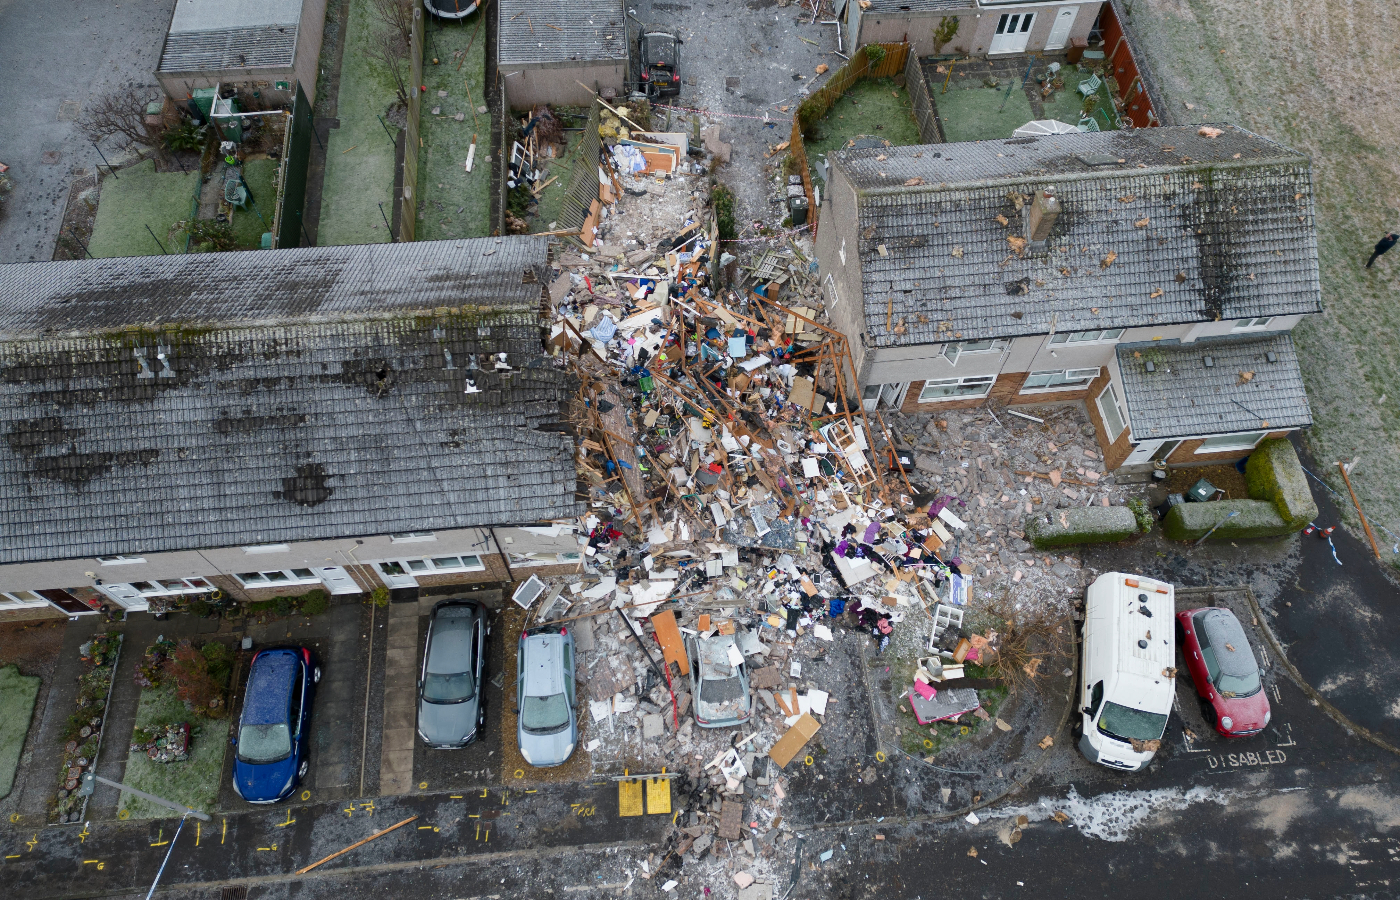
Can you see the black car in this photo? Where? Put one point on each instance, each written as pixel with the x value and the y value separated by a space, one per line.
pixel 274 728
pixel 659 57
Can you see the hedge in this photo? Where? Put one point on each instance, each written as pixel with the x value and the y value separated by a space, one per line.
pixel 1084 525
pixel 1274 473
pixel 1257 518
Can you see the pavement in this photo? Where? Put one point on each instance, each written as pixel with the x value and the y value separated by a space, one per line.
pixel 58 57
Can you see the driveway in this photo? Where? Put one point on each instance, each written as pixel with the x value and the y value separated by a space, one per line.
pixel 58 57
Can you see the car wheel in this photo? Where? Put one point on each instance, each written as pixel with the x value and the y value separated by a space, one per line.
pixel 316 675
pixel 301 770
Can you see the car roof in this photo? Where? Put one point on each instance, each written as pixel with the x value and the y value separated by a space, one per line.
pixel 1222 629
pixel 450 642
pixel 543 656
pixel 714 656
pixel 269 685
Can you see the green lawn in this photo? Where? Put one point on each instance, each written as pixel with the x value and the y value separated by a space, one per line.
pixel 17 693
pixel 359 154
pixel 139 196
pixel 443 182
pixel 1066 105
pixel 1319 91
pixel 976 113
pixel 872 108
pixel 552 198
pixel 261 176
pixel 193 782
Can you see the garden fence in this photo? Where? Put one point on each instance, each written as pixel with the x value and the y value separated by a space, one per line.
pixel 583 177
pixel 296 160
pixel 925 113
pixel 408 203
pixel 500 157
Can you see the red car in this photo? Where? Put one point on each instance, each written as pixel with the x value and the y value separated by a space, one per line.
pixel 1223 667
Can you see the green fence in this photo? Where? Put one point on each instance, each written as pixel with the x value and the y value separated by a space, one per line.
pixel 296 160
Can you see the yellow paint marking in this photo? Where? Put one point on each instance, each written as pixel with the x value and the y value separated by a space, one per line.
pixel 32 842
pixel 83 835
pixel 196 834
pixel 290 821
pixel 225 832
pixel 349 811
pixel 13 856
pixel 99 863
pixel 485 792
pixel 454 796
pixel 14 817
pixel 273 847
pixel 532 791
pixel 473 816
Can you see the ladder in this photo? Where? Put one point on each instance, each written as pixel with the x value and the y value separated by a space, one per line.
pixel 844 439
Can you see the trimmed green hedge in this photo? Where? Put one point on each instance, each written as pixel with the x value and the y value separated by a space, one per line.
pixel 1085 525
pixel 1257 518
pixel 1274 473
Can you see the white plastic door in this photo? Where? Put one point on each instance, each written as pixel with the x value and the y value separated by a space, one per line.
pixel 337 580
pixel 126 596
pixel 395 575
pixel 1059 32
pixel 1013 33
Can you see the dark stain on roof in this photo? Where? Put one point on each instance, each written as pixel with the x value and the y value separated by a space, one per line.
pixel 78 469
pixel 308 487
pixel 28 437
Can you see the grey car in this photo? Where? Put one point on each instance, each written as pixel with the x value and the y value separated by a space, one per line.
pixel 449 687
pixel 719 683
pixel 547 726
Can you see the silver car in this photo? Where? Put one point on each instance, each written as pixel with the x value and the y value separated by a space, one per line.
pixel 449 686
pixel 719 681
pixel 547 726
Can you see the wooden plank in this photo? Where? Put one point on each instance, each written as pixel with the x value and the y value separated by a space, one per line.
pixel 791 744
pixel 668 634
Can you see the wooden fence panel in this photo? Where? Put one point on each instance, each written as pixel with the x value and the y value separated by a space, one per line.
pixel 925 116
pixel 408 203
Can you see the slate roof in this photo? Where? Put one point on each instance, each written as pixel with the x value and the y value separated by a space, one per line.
pixel 268 46
pixel 898 6
pixel 1202 228
pixel 553 31
pixel 1184 398
pixel 268 434
pixel 270 286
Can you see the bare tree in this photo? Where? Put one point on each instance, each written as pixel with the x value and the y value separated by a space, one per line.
pixel 398 16
pixel 393 53
pixel 122 113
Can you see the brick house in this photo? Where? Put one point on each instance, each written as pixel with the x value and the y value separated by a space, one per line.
pixel 1153 275
pixel 267 424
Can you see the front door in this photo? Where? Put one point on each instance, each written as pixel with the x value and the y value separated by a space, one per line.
pixel 892 394
pixel 337 580
pixel 1059 32
pixel 1013 33
pixel 127 597
pixel 394 575
pixel 1148 451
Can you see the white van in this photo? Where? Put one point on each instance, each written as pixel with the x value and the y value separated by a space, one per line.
pixel 1129 652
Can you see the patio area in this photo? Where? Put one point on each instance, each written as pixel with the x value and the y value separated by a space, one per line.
pixel 988 99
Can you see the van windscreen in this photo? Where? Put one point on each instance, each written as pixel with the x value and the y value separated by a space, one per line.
pixel 1131 724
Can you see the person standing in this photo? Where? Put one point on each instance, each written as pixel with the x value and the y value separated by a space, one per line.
pixel 1382 245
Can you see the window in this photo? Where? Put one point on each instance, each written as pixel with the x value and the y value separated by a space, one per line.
pixel 952 351
pixel 409 537
pixel 277 576
pixel 952 388
pixel 1111 409
pixel 1247 324
pixel 268 548
pixel 1086 337
pixel 1245 441
pixel 1059 381
pixel 525 560
pixel 21 600
pixel 432 564
pixel 120 560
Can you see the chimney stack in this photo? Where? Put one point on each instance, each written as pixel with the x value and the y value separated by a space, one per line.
pixel 1044 210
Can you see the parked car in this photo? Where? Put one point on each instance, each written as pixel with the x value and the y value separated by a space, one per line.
pixel 274 728
pixel 1223 667
pixel 546 723
pixel 454 664
pixel 659 59
pixel 719 681
pixel 1129 649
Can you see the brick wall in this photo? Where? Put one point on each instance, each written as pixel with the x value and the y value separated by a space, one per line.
pixel 1006 385
pixel 1185 454
pixel 1113 453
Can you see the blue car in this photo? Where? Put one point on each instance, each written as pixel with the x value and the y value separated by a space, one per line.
pixel 274 729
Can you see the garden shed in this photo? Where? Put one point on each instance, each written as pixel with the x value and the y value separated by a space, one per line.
pixel 547 47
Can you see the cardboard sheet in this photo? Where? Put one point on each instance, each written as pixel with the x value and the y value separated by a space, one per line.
pixel 791 744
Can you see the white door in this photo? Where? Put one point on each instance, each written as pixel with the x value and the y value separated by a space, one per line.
pixel 395 575
pixel 126 596
pixel 1059 32
pixel 870 397
pixel 1013 33
pixel 892 394
pixel 337 580
pixel 1147 451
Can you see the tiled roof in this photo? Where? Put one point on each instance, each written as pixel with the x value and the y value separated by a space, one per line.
pixel 1183 397
pixel 1157 226
pixel 267 46
pixel 898 6
pixel 271 434
pixel 270 286
pixel 552 31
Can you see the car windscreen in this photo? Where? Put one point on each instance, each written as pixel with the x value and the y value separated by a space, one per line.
pixel 449 688
pixel 661 50
pixel 264 743
pixel 544 715
pixel 1231 686
pixel 1128 724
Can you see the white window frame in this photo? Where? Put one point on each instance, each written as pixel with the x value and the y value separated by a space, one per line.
pixel 953 352
pixel 1104 335
pixel 268 548
pixel 831 283
pixel 424 565
pixel 1082 378
pixel 291 578
pixel 13 600
pixel 985 381
pixel 1116 404
pixel 1239 445
pixel 161 590
pixel 1255 324
pixel 527 560
pixel 412 537
pixel 120 560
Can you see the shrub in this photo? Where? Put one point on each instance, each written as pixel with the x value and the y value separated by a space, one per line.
pixel 874 54
pixel 195 683
pixel 1257 518
pixel 379 596
pixel 152 664
pixel 947 30
pixel 220 659
pixel 284 606
pixel 723 199
pixel 1142 512
pixel 188 135
pixel 313 603
pixel 1086 525
pixel 207 235
pixel 1273 473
